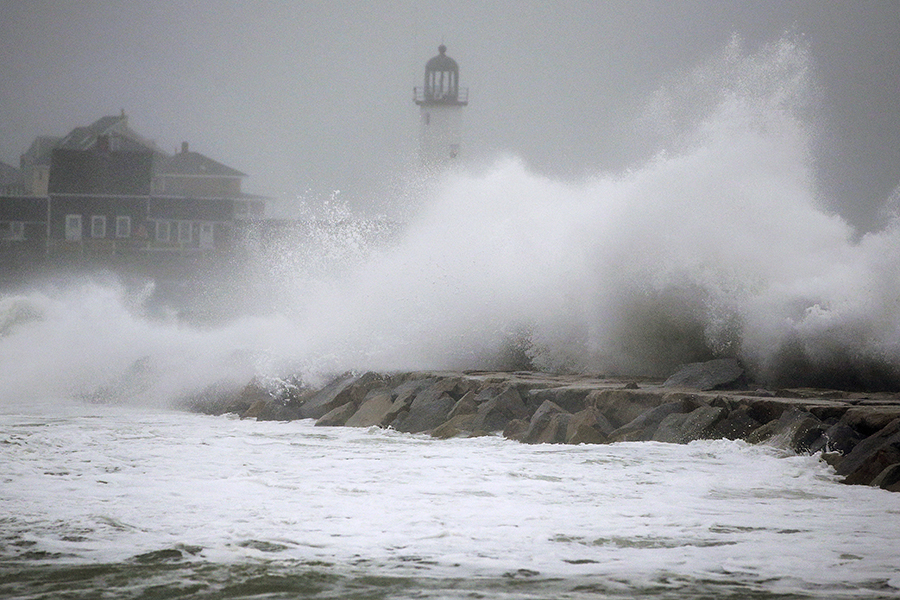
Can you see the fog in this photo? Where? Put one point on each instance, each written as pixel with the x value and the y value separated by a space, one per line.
pixel 316 97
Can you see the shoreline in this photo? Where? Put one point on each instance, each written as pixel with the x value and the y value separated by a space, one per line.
pixel 857 433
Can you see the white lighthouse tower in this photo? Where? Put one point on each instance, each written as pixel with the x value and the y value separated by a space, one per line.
pixel 440 103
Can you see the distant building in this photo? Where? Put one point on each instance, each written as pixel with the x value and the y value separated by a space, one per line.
pixel 440 102
pixel 106 190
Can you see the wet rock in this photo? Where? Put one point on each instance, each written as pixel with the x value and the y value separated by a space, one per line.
pixel 839 437
pixel 373 409
pixel 337 416
pixel 736 425
pixel 872 455
pixel 681 428
pixel 429 410
pixel 516 430
pixel 889 478
pixel 464 406
pixel 570 398
pixel 642 427
pixel 344 389
pixel 543 428
pixel 588 426
pixel 795 430
pixel 457 426
pixel 722 373
pixel 494 414
pixel 622 406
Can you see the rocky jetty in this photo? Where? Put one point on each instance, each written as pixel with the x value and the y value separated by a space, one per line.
pixel 857 433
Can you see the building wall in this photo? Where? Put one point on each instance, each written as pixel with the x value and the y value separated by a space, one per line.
pixel 440 131
pixel 196 186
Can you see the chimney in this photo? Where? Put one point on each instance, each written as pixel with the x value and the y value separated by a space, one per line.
pixel 184 147
pixel 124 118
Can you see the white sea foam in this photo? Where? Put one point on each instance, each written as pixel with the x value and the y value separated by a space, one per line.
pixel 102 487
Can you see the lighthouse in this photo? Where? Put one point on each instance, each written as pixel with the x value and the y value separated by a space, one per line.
pixel 440 103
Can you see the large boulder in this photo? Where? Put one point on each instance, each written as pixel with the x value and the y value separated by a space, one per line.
pixel 494 414
pixel 337 416
pixel 736 425
pixel 719 374
pixel 681 428
pixel 373 410
pixel 642 427
pixel 429 410
pixel 796 430
pixel 624 405
pixel 344 389
pixel 544 427
pixel 872 455
pixel 588 426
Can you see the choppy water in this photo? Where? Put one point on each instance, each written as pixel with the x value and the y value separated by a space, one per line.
pixel 101 502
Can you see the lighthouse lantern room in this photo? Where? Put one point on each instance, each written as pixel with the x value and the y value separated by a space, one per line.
pixel 440 103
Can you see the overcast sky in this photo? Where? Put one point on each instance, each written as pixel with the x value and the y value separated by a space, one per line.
pixel 307 97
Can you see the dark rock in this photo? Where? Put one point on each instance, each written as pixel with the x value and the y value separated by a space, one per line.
pixel 516 430
pixel 681 428
pixel 588 426
pixel 347 388
pixel 494 414
pixel 372 411
pixel 642 428
pixel 570 398
pixel 870 420
pixel 889 478
pixel 795 430
pixel 464 406
pixel 455 427
pixel 555 431
pixel 722 373
pixel 541 420
pixel 429 410
pixel 872 455
pixel 839 437
pixel 337 416
pixel 736 425
pixel 623 406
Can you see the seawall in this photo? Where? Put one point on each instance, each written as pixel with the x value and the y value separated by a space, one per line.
pixel 857 433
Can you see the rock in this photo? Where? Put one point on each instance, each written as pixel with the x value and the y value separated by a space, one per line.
pixel 642 428
pixel 839 437
pixel 372 411
pixel 255 409
pixel 337 416
pixel 889 478
pixel 570 398
pixel 464 406
pixel 541 420
pixel 347 388
pixel 588 426
pixel 622 406
pixel 681 428
pixel 872 455
pixel 869 420
pixel 455 427
pixel 555 431
pixel 494 414
pixel 795 430
pixel 722 373
pixel 736 425
pixel 429 410
pixel 516 430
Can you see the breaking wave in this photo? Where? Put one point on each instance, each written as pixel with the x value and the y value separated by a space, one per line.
pixel 717 246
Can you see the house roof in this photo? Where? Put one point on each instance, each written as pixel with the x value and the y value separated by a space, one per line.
pixel 84 138
pixel 9 176
pixel 192 164
pixel 40 151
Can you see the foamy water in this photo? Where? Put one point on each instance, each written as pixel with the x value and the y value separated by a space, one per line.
pixel 176 500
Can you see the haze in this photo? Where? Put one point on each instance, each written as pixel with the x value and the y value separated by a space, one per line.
pixel 312 97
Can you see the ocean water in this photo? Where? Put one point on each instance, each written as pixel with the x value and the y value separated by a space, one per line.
pixel 101 502
pixel 717 245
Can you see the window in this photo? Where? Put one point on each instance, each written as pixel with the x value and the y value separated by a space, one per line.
pixel 184 232
pixel 73 228
pixel 163 231
pixel 123 227
pixel 206 235
pixel 16 231
pixel 98 226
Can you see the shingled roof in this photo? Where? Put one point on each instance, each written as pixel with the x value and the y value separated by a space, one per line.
pixel 191 164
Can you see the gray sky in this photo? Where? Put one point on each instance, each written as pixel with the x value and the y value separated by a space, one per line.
pixel 308 97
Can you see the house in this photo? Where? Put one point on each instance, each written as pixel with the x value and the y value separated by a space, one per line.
pixel 105 190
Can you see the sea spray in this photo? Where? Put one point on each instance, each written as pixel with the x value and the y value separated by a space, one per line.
pixel 717 246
